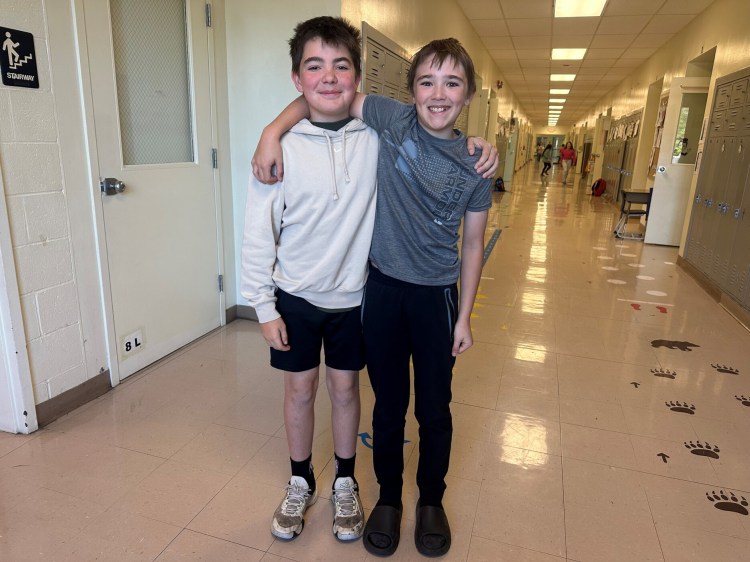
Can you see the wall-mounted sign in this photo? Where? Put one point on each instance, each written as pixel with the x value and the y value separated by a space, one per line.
pixel 18 59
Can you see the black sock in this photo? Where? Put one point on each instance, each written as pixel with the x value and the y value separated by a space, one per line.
pixel 344 467
pixel 304 469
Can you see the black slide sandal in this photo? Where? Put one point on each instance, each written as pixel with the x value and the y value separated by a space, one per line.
pixel 382 531
pixel 432 533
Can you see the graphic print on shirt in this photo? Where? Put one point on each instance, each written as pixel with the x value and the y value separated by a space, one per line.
pixel 423 170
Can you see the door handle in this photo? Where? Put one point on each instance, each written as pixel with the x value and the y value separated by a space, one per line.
pixel 111 186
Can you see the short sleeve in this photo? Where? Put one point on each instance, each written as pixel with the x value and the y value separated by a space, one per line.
pixel 481 199
pixel 380 112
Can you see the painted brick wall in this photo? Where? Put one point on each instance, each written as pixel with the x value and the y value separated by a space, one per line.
pixel 38 216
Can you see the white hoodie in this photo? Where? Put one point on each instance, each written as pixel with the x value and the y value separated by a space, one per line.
pixel 310 235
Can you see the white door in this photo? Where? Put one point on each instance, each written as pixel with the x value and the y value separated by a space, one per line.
pixel 674 171
pixel 149 66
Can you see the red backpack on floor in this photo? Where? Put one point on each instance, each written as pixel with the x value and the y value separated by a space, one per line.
pixel 598 188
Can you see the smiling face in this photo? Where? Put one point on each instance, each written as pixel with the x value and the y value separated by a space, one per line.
pixel 328 80
pixel 440 93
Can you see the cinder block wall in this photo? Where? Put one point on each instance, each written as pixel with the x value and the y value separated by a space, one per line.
pixel 38 215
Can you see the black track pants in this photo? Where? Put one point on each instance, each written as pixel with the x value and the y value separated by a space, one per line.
pixel 402 321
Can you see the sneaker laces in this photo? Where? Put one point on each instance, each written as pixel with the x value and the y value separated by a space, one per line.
pixel 346 502
pixel 295 501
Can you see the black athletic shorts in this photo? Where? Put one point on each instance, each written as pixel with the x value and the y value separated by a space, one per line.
pixel 308 327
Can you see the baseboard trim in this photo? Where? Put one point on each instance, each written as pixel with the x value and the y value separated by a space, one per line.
pixel 50 410
pixel 740 313
pixel 246 312
pixel 231 314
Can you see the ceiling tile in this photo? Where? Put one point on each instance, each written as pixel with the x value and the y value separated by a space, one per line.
pixel 571 41
pixel 565 67
pixel 685 6
pixel 638 53
pixel 667 24
pixel 526 9
pixel 525 27
pixel 540 42
pixel 652 39
pixel 627 63
pixel 612 41
pixel 481 9
pixel 603 53
pixel 534 63
pixel 574 26
pixel 597 63
pixel 490 28
pixel 589 73
pixel 503 54
pixel 622 24
pixel 632 7
pixel 497 43
pixel 527 54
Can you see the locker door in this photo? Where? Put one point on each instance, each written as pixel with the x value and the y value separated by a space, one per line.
pixel 714 193
pixel 712 161
pixel 727 202
pixel 738 268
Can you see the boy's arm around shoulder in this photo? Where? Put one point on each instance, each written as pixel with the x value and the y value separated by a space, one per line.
pixel 268 160
pixel 472 254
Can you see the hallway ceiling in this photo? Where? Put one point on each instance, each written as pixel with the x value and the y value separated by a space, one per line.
pixel 520 36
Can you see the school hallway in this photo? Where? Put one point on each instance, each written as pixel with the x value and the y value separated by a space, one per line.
pixel 580 432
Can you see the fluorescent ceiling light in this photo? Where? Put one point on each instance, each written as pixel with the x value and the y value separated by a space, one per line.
pixel 557 100
pixel 568 54
pixel 579 8
pixel 562 77
pixel 555 106
pixel 562 91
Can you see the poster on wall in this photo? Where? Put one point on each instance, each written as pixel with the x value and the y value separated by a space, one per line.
pixel 18 59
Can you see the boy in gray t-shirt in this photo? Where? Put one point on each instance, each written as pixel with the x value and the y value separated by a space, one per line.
pixel 412 311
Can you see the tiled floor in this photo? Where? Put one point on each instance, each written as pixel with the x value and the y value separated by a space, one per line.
pixel 575 438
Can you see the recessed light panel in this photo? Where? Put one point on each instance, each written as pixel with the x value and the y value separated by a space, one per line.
pixel 579 8
pixel 562 91
pixel 557 100
pixel 568 54
pixel 562 77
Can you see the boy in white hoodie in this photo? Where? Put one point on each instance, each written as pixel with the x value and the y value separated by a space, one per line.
pixel 304 265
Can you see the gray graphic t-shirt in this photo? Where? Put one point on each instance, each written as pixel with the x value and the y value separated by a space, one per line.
pixel 425 185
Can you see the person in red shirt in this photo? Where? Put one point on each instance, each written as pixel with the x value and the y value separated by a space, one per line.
pixel 568 159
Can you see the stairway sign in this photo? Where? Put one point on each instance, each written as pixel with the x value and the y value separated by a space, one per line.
pixel 18 59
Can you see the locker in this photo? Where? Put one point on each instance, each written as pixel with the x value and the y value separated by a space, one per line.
pixel 739 93
pixel 738 266
pixel 727 200
pixel 723 95
pixel 715 162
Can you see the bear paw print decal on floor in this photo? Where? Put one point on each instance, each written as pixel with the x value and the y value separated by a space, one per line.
pixel 665 373
pixel 703 449
pixel 725 369
pixel 682 407
pixel 728 502
pixel 744 400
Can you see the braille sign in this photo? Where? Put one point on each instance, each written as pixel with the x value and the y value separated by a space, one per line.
pixel 18 59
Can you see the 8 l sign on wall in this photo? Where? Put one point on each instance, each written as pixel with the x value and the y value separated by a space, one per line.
pixel 18 59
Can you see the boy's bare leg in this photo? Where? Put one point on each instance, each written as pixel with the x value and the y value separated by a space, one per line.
pixel 299 411
pixel 299 419
pixel 343 388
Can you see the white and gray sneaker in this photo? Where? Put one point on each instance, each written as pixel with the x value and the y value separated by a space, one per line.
pixel 348 518
pixel 289 518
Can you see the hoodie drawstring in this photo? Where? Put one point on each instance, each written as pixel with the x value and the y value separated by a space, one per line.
pixel 332 162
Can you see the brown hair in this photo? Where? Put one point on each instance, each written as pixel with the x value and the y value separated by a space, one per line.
pixel 443 49
pixel 331 31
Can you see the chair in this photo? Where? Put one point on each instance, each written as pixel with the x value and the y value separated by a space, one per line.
pixel 642 202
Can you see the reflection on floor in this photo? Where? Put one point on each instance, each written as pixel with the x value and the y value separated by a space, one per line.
pixel 602 415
